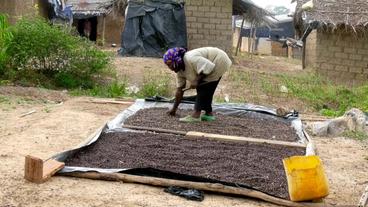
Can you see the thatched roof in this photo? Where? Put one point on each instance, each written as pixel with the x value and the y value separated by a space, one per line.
pixel 336 13
pixel 251 11
pixel 89 8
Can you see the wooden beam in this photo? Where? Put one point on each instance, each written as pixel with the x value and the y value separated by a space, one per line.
pixel 38 171
pixel 313 119
pixel 253 41
pixel 213 187
pixel 103 29
pixel 155 129
pixel 193 134
pixel 33 169
pixel 110 102
pixel 304 61
pixel 239 38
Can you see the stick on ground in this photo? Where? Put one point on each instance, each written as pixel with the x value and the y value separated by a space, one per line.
pixel 213 187
pixel 363 202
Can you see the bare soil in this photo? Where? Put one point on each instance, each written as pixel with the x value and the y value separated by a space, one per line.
pixel 255 165
pixel 247 126
pixel 57 127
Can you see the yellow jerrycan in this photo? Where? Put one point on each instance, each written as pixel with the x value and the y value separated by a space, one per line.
pixel 306 178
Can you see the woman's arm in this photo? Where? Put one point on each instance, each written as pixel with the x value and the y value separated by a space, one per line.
pixel 198 79
pixel 178 97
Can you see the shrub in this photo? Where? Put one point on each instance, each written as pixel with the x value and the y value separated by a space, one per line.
pixel 40 51
pixel 5 38
pixel 114 89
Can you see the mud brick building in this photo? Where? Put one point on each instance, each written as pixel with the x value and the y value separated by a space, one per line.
pixel 108 22
pixel 338 48
pixel 209 23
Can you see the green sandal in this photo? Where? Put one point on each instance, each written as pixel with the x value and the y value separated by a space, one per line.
pixel 207 118
pixel 189 119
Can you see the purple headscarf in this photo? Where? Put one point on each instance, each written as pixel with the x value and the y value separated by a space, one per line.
pixel 174 56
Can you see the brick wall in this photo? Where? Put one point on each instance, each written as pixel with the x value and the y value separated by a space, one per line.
pixel 209 23
pixel 114 23
pixel 310 50
pixel 342 57
pixel 278 50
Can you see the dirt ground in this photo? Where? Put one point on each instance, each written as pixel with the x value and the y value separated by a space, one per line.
pixel 62 122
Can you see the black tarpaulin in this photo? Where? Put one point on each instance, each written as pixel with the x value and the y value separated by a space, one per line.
pixel 153 26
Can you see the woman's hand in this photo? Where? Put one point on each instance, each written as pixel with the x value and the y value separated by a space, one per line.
pixel 172 112
pixel 194 84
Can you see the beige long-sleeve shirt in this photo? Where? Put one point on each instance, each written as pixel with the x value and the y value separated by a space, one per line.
pixel 210 61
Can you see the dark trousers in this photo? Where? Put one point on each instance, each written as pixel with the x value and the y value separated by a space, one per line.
pixel 205 91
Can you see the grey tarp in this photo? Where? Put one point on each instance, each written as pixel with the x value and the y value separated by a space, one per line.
pixel 153 26
pixel 239 110
pixel 115 125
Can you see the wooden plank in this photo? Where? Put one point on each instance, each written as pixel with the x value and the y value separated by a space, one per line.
pixel 194 134
pixel 110 102
pixel 50 167
pixel 154 129
pixel 303 54
pixel 33 169
pixel 213 187
pixel 363 202
pixel 313 119
pixel 38 171
pixel 239 39
pixel 103 29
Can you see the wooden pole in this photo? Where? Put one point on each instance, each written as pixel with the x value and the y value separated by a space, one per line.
pixel 194 134
pixel 254 40
pixel 213 187
pixel 103 29
pixel 110 102
pixel 220 137
pixel 239 38
pixel 250 38
pixel 303 54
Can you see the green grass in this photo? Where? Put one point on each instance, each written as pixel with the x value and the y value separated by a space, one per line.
pixel 114 89
pixel 314 91
pixel 326 97
pixel 358 135
pixel 4 100
pixel 155 84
